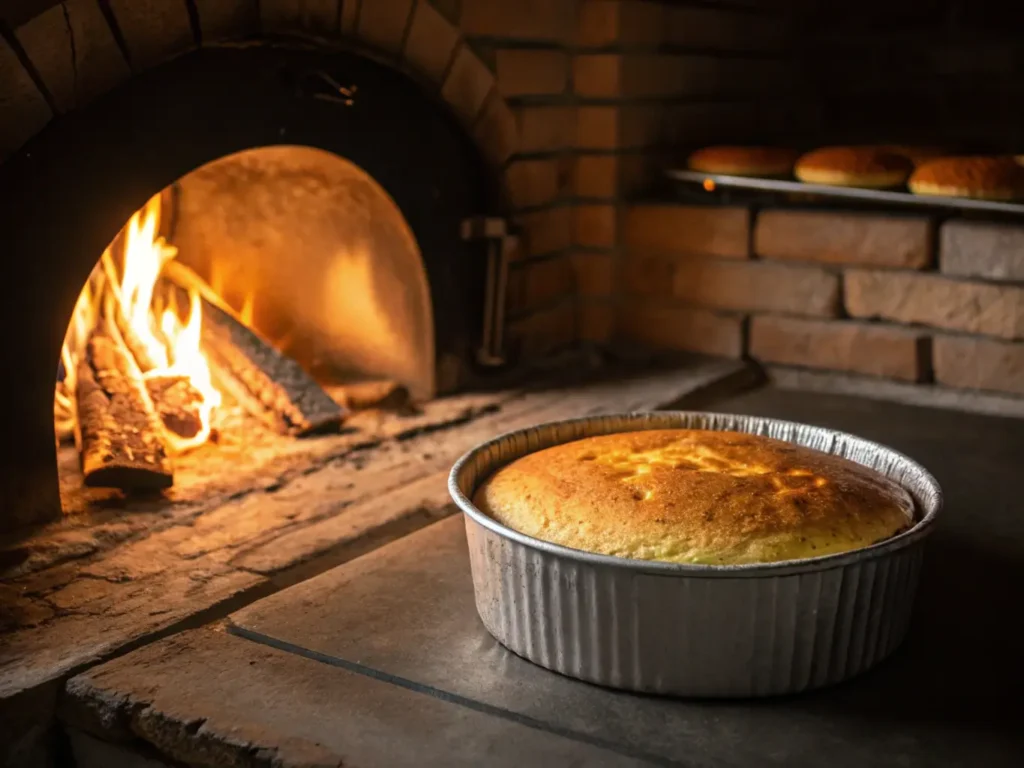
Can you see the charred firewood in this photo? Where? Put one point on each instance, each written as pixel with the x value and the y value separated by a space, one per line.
pixel 177 404
pixel 268 383
pixel 117 431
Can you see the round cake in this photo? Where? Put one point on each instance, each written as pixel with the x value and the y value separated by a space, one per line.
pixel 768 162
pixel 695 496
pixel 981 177
pixel 868 167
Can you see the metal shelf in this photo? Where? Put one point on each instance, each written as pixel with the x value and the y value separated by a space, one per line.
pixel 896 199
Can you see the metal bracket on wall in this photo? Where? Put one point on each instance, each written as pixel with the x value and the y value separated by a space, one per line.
pixel 500 244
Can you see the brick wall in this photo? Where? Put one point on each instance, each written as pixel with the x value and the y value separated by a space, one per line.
pixel 902 297
pixel 647 78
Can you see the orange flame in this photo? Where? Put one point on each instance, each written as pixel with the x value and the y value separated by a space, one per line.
pixel 171 345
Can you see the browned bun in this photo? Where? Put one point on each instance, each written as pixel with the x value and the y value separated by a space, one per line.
pixel 744 161
pixel 916 155
pixel 853 167
pixel 980 177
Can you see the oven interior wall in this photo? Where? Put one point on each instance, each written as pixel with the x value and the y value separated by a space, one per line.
pixel 321 257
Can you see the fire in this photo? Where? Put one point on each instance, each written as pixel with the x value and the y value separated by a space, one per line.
pixel 144 257
pixel 146 312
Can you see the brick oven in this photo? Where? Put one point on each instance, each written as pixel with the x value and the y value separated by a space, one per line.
pixel 407 226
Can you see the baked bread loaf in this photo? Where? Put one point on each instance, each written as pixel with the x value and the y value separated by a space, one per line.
pixel 695 496
pixel 980 177
pixel 867 167
pixel 765 162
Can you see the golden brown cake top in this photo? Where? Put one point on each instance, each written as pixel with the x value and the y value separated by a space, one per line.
pixel 743 161
pixel 972 174
pixel 857 161
pixel 695 496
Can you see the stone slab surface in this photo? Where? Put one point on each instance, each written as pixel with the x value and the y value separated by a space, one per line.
pixel 206 698
pixel 948 696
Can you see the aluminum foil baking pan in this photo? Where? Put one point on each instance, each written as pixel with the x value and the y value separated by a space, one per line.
pixel 694 630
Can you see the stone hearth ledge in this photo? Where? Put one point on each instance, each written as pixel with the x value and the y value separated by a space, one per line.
pixel 206 698
pixel 192 569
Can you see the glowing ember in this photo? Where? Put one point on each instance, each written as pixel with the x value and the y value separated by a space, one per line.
pixel 164 344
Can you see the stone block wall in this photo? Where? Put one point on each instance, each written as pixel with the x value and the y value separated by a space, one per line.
pixel 910 298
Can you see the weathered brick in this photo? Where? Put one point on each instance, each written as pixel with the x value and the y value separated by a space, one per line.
pixel 736 285
pixel 533 183
pixel 467 85
pixel 431 42
pixel 973 363
pixel 596 321
pixel 526 72
pixel 870 348
pixel 154 30
pixel 723 29
pixel 227 19
pixel 594 225
pixel 544 331
pixel 593 273
pixel 956 305
pixel 597 127
pixel 607 22
pixel 318 16
pixel 641 126
pixel 845 238
pixel 655 75
pixel 598 23
pixel 683 328
pixel 691 229
pixel 23 107
pixel 597 75
pixel 638 170
pixel 73 74
pixel 382 23
pixel 982 249
pixel 537 283
pixel 642 22
pixel 495 131
pixel 757 286
pixel 546 129
pixel 548 20
pixel 546 231
pixel 596 175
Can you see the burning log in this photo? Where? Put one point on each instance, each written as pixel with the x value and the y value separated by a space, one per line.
pixel 117 431
pixel 268 383
pixel 177 404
